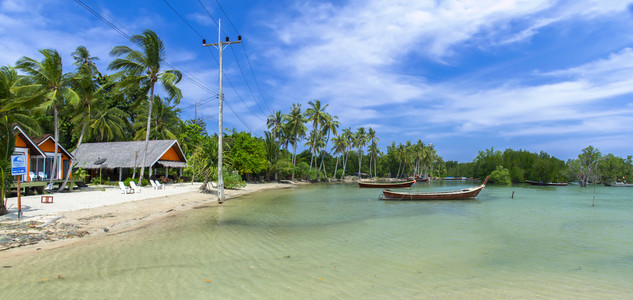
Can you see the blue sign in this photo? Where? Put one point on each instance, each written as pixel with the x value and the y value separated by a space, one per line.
pixel 18 165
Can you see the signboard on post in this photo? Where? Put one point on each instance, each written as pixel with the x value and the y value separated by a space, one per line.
pixel 18 164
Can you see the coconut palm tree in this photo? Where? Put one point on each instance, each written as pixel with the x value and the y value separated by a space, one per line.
pixel 339 146
pixel 10 107
pixel 275 124
pixel 7 146
pixel 371 138
pixel 85 85
pixel 107 124
pixel 317 115
pixel 143 68
pixel 374 152
pixel 330 125
pixel 84 62
pixel 165 120
pixel 348 136
pixel 46 86
pixel 360 140
pixel 295 130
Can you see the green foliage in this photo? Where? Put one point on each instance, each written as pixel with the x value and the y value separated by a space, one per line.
pixel 613 169
pixel 248 154
pixel 284 167
pixel 232 180
pixel 129 179
pixel 500 175
pixel 80 174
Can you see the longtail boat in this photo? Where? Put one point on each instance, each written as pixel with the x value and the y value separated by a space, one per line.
pixel 546 183
pixel 385 185
pixel 462 194
pixel 620 184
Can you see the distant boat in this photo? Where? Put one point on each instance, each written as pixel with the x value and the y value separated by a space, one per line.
pixel 620 184
pixel 546 183
pixel 385 185
pixel 418 179
pixel 462 194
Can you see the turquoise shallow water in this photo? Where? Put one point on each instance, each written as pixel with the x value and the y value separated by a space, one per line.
pixel 338 241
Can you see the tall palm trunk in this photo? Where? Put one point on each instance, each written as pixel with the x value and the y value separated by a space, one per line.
pixel 54 166
pixel 294 160
pixel 70 165
pixel 344 165
pixel 335 168
pixel 360 158
pixel 149 120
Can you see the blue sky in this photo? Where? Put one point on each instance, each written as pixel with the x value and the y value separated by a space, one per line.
pixel 553 76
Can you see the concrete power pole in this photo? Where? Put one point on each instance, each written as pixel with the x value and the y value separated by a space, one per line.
pixel 220 45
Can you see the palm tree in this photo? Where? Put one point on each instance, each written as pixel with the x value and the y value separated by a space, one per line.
pixel 47 86
pixel 165 119
pixel 316 114
pixel 295 130
pixel 371 138
pixel 330 125
pixel 7 146
pixel 339 146
pixel 143 68
pixel 10 107
pixel 275 124
pixel 85 85
pixel 348 136
pixel 360 140
pixel 84 62
pixel 107 124
pixel 374 152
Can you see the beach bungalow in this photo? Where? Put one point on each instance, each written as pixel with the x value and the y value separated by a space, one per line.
pixel 120 159
pixel 39 153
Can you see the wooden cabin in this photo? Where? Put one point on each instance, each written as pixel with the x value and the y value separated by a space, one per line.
pixel 39 154
pixel 119 160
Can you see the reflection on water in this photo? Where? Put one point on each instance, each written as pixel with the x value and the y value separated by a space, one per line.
pixel 338 241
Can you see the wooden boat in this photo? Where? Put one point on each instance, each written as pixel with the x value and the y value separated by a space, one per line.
pixel 385 184
pixel 462 194
pixel 620 184
pixel 546 183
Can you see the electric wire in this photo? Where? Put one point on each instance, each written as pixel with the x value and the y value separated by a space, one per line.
pixel 192 79
pixel 236 59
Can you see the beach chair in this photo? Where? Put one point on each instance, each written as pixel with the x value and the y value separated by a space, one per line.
pixel 125 189
pixel 49 188
pixel 42 175
pixel 137 189
pixel 156 185
pixel 32 176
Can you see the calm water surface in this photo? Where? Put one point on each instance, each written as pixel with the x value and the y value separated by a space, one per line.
pixel 338 241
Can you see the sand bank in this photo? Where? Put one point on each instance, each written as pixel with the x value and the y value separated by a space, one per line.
pixel 97 211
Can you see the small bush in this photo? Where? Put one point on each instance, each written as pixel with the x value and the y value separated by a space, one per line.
pixel 233 180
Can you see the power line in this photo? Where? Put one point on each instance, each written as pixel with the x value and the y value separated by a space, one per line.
pixel 192 79
pixel 247 58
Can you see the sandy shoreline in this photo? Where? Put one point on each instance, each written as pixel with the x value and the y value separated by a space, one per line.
pixel 98 211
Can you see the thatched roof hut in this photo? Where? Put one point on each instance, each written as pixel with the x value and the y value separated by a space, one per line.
pixel 128 155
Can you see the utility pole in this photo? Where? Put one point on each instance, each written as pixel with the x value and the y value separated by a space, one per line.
pixel 220 45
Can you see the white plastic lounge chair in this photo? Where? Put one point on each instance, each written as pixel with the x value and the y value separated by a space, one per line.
pixel 154 186
pixel 41 175
pixel 137 189
pixel 49 188
pixel 157 185
pixel 32 176
pixel 125 189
